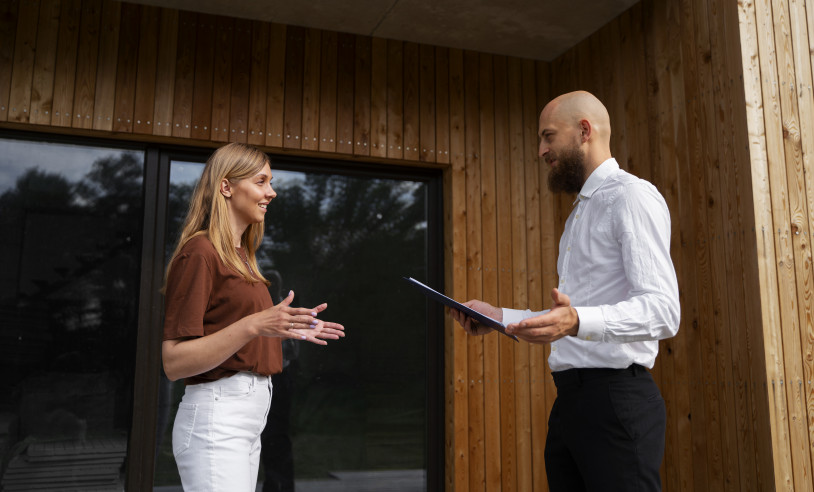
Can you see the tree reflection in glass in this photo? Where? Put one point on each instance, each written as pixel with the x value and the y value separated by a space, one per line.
pixel 358 405
pixel 68 311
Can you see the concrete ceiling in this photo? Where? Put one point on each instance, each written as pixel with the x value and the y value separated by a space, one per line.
pixel 537 29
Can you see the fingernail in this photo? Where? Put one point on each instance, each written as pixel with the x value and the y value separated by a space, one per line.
pixel 314 323
pixel 290 292
pixel 313 313
pixel 302 337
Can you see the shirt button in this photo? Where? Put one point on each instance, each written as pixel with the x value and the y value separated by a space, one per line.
pixel 553 349
pixel 588 338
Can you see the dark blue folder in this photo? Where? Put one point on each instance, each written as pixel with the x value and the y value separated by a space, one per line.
pixel 479 317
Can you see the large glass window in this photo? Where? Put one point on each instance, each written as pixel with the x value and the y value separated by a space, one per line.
pixel 353 415
pixel 71 220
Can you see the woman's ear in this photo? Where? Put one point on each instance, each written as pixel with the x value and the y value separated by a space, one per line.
pixel 225 188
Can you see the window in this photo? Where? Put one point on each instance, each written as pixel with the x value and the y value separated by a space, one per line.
pixel 71 217
pixel 363 411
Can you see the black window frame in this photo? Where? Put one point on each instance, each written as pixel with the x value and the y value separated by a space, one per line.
pixel 157 160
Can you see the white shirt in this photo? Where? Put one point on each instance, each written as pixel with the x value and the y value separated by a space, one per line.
pixel 614 263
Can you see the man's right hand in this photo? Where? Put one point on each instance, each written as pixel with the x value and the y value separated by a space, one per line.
pixel 470 325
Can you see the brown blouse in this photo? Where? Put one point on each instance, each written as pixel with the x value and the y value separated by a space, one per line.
pixel 203 296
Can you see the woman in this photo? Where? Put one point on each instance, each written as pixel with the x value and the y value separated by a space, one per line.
pixel 222 333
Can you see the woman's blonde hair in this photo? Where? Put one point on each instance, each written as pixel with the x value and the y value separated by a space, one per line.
pixel 208 214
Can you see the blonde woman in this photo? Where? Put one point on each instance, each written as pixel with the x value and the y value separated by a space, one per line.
pixel 222 333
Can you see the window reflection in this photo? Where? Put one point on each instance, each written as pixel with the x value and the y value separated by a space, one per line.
pixel 71 218
pixel 352 414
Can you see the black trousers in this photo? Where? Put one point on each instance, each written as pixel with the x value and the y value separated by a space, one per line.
pixel 606 431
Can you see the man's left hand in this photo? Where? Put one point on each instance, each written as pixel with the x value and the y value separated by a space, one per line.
pixel 562 320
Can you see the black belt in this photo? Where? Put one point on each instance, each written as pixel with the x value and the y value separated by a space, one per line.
pixel 577 376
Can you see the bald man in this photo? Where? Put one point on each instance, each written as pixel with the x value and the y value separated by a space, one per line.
pixel 617 297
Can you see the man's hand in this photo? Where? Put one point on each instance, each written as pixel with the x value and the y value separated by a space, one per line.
pixel 562 320
pixel 470 325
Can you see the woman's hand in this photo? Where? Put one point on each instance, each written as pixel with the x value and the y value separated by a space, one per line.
pixel 285 321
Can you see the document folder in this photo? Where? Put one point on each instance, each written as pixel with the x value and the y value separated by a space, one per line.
pixel 479 317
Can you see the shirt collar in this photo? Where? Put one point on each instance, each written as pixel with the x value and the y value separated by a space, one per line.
pixel 597 177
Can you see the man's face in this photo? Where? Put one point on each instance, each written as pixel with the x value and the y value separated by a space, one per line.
pixel 560 148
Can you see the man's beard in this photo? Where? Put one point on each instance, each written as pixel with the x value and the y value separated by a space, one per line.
pixel 569 174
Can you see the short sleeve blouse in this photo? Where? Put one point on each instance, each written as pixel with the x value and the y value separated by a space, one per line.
pixel 203 296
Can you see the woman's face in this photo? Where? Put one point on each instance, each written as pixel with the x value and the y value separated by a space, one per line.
pixel 250 197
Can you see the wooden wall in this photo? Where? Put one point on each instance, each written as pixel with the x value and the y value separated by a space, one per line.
pixel 723 132
pixel 777 39
pixel 670 73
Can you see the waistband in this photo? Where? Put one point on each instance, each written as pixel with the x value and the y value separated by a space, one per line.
pixel 578 376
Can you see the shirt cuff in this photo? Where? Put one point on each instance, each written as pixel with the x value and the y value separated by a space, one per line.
pixel 515 315
pixel 591 324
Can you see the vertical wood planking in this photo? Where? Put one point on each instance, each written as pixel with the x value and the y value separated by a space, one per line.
pixel 732 172
pixel 184 76
pixel 672 78
pixel 378 98
pixel 221 87
pixel 146 71
pixel 198 123
pixel 295 48
pixel 498 97
pixel 361 97
pixel 543 391
pixel 169 25
pixel 706 373
pixel 395 99
pixel 276 86
pixel 792 207
pixel 9 19
pixel 23 68
pixel 760 81
pixel 345 95
pixel 258 88
pixel 719 336
pixel 673 355
pixel 707 460
pixel 663 370
pixel 457 464
pixel 531 363
pixel 426 102
pixel 42 84
pixel 442 105
pixel 126 69
pixel 411 101
pixel 803 206
pixel 310 90
pixel 65 67
pixel 328 92
pixel 803 17
pixel 474 265
pixel 753 145
pixel 517 355
pixel 687 424
pixel 241 81
pixel 105 97
pixel 491 384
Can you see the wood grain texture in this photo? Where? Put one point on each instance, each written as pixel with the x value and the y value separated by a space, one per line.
pixel 165 72
pixel 710 100
pixel 9 19
pixel 42 84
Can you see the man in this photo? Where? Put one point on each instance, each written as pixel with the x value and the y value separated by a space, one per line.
pixel 617 296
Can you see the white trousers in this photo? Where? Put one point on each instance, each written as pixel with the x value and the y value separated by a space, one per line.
pixel 216 435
